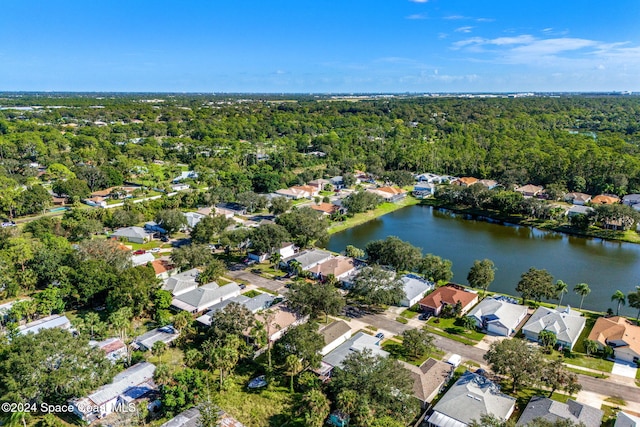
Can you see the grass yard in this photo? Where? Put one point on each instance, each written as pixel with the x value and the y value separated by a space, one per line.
pixel 453 329
pixel 585 361
pixel 587 373
pixel 396 351
pixel 361 218
pixel 409 314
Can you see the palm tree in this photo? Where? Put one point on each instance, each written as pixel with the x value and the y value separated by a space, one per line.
pixel 293 365
pixel 561 288
pixel 296 267
pixel 620 297
pixel 583 290
pixel 275 259
pixel 634 301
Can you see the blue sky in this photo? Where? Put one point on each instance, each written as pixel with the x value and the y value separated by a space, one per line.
pixel 320 46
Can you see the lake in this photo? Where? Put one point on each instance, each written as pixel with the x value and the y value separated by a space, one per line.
pixel 605 266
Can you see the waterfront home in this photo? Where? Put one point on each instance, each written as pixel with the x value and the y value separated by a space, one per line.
pixel 415 288
pixel 605 199
pixel 128 386
pixel 132 234
pixel 498 317
pixel 166 334
pixel 577 198
pixel 334 334
pixel 203 297
pixel 622 335
pixel 326 208
pixel 389 194
pixel 530 190
pixel 448 295
pixel 478 396
pixel 552 411
pixel 49 322
pixel 566 324
pixel 181 283
pixel 578 210
pixel 422 190
pixel 429 379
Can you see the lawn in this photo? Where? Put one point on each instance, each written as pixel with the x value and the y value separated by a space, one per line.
pixel 585 361
pixel 409 314
pixel 396 351
pixel 361 218
pixel 452 328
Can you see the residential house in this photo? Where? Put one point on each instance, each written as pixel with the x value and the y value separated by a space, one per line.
pixel 49 322
pixel 127 387
pixel 254 256
pixel 334 334
pixel 325 208
pixel 191 418
pixel 287 250
pixel 389 194
pixel 337 182
pixel 632 200
pixel 578 210
pixel 6 308
pixel 429 379
pixel 181 283
pixel 234 208
pixel 622 335
pixel 185 175
pixel 132 234
pixel 605 199
pixel 308 259
pixel 498 317
pixel 566 324
pixel 448 295
pixel 281 319
pixel 627 420
pixel 142 259
pixel 193 218
pixel 359 342
pixel 114 349
pixel 465 181
pixel 165 334
pixel 489 183
pixel 429 178
pixel 296 193
pixel 468 399
pixel 340 267
pixel 96 201
pixel 530 190
pixel 424 189
pixel 154 227
pixel 319 183
pixel 180 187
pixel 552 411
pixel 162 268
pixel 311 190
pixel 254 305
pixel 415 288
pixel 199 299
pixel 576 198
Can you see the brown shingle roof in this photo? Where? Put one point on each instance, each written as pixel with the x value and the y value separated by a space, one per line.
pixel 616 329
pixel 428 377
pixel 447 295
pixel 161 266
pixel 467 180
pixel 335 266
pixel 328 208
pixel 392 190
pixel 334 331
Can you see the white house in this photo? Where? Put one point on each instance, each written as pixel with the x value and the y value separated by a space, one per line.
pixel 627 420
pixel 424 189
pixel 181 283
pixel 49 322
pixel 126 387
pixel 142 259
pixel 203 297
pixel 287 250
pixel 193 218
pixel 622 335
pixel 166 334
pixel 334 334
pixel 358 342
pixel 498 317
pixel 565 324
pixel 415 287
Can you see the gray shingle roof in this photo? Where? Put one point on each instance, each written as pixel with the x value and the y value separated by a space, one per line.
pixel 308 259
pixel 507 314
pixel 205 296
pixel 566 324
pixel 49 322
pixel 182 282
pixel 415 286
pixel 128 379
pixel 626 420
pixel 550 410
pixel 333 331
pixel 358 342
pixel 135 232
pixel 191 418
pixel 477 395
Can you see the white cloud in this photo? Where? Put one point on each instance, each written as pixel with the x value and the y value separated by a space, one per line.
pixel 419 1
pixel 417 16
pixel 463 29
pixel 454 17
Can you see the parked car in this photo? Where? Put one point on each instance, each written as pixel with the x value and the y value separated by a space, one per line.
pixel 242 286
pixel 154 250
pixel 164 239
pixel 425 316
pixel 380 335
pixel 257 382
pixel 140 252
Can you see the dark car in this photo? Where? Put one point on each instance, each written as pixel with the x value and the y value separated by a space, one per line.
pixel 424 316
pixel 164 239
pixel 242 286
pixel 380 335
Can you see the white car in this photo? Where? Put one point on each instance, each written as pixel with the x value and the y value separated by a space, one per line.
pixel 154 250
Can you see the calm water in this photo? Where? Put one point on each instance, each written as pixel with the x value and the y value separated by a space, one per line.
pixel 605 266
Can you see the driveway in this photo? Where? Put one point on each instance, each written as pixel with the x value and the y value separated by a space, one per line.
pixel 624 369
pixel 259 281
